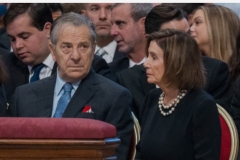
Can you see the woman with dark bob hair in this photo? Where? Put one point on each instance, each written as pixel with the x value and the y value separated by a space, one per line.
pixel 178 120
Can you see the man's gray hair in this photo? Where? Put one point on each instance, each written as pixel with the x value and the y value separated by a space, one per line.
pixel 74 19
pixel 138 10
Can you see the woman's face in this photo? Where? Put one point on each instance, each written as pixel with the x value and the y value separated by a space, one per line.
pixel 154 64
pixel 198 30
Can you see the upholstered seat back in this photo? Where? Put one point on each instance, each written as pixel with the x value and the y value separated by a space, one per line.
pixel 55 128
pixel 57 138
pixel 229 141
pixel 135 138
pixel 226 140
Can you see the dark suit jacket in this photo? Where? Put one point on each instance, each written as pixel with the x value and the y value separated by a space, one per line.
pixel 218 83
pixel 3 102
pixel 135 80
pixel 4 51
pixel 19 74
pixel 4 40
pixel 101 67
pixel 119 65
pixel 110 102
pixel 235 105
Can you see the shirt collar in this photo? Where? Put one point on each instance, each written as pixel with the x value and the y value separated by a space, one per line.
pixel 49 62
pixel 131 63
pixel 60 82
pixel 110 48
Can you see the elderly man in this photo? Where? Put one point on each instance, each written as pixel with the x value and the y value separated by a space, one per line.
pixel 76 90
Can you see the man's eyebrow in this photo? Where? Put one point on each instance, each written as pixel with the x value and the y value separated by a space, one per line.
pixel 23 33
pixel 69 43
pixel 120 21
pixel 20 34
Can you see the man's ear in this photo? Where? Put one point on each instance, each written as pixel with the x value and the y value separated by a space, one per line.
pixel 52 50
pixel 83 12
pixel 141 24
pixel 47 28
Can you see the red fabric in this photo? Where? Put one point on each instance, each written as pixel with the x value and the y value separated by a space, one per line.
pixel 55 128
pixel 226 140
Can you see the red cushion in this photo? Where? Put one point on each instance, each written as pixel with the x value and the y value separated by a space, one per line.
pixel 226 140
pixel 55 128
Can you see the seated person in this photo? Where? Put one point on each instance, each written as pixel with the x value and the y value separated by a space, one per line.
pixel 218 78
pixel 29 41
pixel 76 90
pixel 179 120
pixel 3 100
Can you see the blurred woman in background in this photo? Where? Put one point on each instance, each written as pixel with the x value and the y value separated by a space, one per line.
pixel 215 28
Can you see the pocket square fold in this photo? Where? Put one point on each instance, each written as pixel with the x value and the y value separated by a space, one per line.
pixel 87 109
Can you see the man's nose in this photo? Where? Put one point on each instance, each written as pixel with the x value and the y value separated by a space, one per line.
pixel 19 43
pixel 114 31
pixel 76 55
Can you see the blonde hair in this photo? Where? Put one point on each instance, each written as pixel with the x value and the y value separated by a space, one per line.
pixel 223 27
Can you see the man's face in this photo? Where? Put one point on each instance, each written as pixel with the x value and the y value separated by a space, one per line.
pixel 100 14
pixel 29 44
pixel 73 52
pixel 126 32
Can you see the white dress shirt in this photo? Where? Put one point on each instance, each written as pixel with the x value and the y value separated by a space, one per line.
pixel 110 49
pixel 46 70
pixel 131 63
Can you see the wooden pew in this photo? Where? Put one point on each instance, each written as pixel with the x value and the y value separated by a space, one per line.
pixel 57 138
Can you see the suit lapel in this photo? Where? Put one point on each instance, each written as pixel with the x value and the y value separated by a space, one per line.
pixel 54 70
pixel 83 94
pixel 124 64
pixel 143 80
pixel 20 71
pixel 45 95
pixel 118 54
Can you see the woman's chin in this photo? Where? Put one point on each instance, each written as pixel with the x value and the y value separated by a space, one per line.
pixel 149 80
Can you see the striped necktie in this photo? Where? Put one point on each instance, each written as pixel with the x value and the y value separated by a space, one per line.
pixel 101 52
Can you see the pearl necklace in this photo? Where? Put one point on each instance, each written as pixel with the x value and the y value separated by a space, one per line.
pixel 171 107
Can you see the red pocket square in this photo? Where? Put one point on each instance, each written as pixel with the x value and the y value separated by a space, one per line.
pixel 87 109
